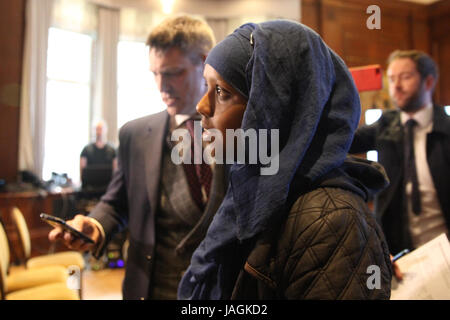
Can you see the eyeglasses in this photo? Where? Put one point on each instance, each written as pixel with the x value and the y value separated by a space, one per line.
pixel 404 76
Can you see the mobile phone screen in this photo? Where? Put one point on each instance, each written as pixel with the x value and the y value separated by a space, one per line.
pixel 58 222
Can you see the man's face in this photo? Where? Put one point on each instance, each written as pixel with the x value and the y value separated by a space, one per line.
pixel 179 80
pixel 100 132
pixel 406 88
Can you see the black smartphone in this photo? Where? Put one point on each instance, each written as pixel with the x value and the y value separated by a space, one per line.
pixel 58 222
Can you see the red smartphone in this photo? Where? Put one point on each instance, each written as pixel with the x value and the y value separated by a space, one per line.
pixel 58 222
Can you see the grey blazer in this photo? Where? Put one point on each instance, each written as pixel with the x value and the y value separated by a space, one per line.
pixel 131 200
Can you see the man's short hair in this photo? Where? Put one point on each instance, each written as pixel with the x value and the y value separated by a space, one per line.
pixel 189 34
pixel 424 63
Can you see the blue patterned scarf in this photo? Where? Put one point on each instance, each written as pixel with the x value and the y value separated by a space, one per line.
pixel 295 83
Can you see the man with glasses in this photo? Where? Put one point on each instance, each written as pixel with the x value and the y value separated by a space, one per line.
pixel 413 144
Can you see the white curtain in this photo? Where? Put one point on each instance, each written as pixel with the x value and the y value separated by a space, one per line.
pixel 136 25
pixel 105 84
pixel 113 19
pixel 219 27
pixel 75 15
pixel 34 80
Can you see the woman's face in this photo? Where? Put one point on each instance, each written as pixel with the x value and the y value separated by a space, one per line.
pixel 222 107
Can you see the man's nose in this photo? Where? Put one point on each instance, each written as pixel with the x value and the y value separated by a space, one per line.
pixel 161 83
pixel 398 82
pixel 203 107
pixel 395 84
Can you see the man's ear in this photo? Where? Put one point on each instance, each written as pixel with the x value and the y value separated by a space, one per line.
pixel 198 60
pixel 201 63
pixel 430 81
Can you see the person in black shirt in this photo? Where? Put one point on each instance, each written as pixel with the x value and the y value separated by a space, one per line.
pixel 98 155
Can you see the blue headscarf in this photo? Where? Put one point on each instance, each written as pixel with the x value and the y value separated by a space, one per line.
pixel 295 83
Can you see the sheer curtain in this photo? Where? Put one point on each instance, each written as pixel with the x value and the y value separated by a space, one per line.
pixel 105 93
pixel 118 86
pixel 33 98
pixel 137 92
pixel 219 27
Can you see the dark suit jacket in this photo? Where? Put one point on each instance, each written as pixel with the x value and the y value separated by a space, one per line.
pixel 386 136
pixel 132 200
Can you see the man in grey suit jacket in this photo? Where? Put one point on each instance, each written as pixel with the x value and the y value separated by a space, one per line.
pixel 148 193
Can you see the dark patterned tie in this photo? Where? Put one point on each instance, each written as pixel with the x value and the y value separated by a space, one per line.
pixel 410 166
pixel 199 176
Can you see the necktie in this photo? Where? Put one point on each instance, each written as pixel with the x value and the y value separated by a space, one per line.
pixel 199 176
pixel 410 166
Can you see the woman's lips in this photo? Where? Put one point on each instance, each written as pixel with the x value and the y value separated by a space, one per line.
pixel 206 133
pixel 205 125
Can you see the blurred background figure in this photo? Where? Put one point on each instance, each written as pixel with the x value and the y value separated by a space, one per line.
pixel 413 144
pixel 97 161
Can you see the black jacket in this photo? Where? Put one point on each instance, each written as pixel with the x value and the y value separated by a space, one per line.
pixel 386 136
pixel 327 247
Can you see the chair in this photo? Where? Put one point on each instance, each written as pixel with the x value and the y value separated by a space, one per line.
pixel 66 259
pixel 42 283
pixel 50 291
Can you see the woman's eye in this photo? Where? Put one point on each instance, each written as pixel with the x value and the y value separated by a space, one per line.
pixel 221 93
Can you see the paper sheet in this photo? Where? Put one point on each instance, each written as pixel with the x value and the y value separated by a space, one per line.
pixel 426 272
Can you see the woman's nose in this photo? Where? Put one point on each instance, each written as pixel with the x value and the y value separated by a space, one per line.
pixel 203 107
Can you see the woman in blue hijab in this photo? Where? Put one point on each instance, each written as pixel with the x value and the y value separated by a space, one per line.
pixel 304 232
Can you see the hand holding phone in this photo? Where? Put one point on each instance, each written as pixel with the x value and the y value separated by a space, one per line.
pixel 58 222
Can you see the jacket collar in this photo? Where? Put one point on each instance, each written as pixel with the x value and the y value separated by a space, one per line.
pixel 441 121
pixel 423 117
pixel 394 128
pixel 441 124
pixel 152 143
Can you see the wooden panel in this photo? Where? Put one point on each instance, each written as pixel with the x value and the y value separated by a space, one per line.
pixel 344 29
pixel 404 25
pixel 9 142
pixel 310 14
pixel 443 85
pixel 440 39
pixel 31 204
pixel 12 20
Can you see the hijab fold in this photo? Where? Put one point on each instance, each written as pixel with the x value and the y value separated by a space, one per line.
pixel 295 83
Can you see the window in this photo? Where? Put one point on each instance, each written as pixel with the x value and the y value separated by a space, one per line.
pixel 68 101
pixel 137 94
pixel 371 116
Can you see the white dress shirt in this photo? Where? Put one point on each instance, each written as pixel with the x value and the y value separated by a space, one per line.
pixel 179 119
pixel 430 223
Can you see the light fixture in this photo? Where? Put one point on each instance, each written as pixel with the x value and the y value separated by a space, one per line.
pixel 167 6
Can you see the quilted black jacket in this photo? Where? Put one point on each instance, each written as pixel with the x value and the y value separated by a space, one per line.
pixel 329 247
